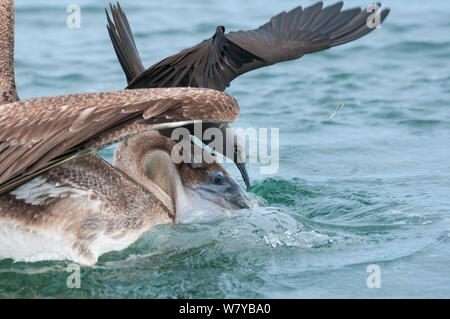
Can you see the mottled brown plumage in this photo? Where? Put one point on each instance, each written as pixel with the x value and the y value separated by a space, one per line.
pixel 82 209
pixel 39 133
pixel 73 209
pixel 8 93
pixel 215 62
pixel 58 201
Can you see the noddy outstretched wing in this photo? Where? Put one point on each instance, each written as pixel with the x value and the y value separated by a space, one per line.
pixel 41 133
pixel 215 62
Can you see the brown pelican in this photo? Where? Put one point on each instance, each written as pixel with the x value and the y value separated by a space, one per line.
pixel 215 62
pixel 82 209
pixel 59 201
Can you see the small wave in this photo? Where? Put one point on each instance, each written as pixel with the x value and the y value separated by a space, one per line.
pixel 304 239
pixel 51 79
pixel 279 191
pixel 417 46
pixel 420 123
pixel 389 114
pixel 398 217
pixel 32 268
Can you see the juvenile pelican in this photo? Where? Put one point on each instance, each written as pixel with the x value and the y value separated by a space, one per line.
pixel 59 201
pixel 215 62
pixel 85 208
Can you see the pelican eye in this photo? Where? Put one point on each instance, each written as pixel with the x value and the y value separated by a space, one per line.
pixel 217 178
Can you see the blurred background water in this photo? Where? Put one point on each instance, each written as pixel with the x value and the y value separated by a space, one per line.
pixel 369 186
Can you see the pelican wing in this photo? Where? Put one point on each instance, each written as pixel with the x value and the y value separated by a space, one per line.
pixel 41 133
pixel 215 62
pixel 8 93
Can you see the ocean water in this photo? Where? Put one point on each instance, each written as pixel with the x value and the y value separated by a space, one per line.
pixel 370 186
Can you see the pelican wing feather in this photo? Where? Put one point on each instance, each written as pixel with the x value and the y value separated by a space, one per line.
pixel 41 133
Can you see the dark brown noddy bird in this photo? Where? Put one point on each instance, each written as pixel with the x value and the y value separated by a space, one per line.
pixel 215 62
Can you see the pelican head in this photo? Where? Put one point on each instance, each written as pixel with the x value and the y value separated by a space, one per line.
pixel 147 158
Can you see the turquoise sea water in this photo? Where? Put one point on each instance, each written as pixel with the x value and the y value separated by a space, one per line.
pixel 369 186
